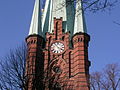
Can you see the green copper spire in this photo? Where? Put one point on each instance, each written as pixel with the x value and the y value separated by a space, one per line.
pixel 73 17
pixel 80 25
pixel 35 27
pixel 57 9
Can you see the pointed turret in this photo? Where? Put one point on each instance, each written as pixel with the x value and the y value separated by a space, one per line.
pixel 34 60
pixel 80 25
pixel 35 27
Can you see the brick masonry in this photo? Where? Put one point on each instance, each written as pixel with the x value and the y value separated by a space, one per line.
pixel 68 70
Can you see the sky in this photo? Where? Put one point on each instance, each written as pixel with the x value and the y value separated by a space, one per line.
pixel 104 46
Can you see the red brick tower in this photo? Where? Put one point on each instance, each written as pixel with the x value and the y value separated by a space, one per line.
pixel 57 56
pixel 66 66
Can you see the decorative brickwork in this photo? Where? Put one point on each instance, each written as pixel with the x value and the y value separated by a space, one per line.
pixel 73 62
pixel 65 66
pixel 34 62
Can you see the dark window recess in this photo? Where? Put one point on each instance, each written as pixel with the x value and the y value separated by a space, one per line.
pixel 63 30
pixel 31 41
pixel 52 31
pixel 70 64
pixel 53 56
pixel 49 40
pixel 63 38
pixel 80 39
pixel 69 32
pixel 63 55
pixel 57 69
pixel 56 34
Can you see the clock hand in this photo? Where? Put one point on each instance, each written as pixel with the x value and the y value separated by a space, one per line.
pixel 60 48
pixel 56 46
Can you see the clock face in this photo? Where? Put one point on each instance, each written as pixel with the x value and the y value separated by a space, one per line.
pixel 57 47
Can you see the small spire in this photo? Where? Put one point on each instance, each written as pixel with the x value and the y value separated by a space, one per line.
pixel 35 27
pixel 79 25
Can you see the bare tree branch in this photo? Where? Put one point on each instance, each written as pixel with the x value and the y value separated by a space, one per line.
pixel 109 79
pixel 116 23
pixel 12 72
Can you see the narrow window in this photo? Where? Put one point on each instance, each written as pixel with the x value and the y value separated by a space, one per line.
pixel 81 39
pixel 49 40
pixel 63 38
pixel 69 64
pixel 31 41
pixel 56 30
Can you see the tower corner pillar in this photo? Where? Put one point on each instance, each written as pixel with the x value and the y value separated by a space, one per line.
pixel 34 62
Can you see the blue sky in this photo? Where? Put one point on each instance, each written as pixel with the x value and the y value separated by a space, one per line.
pixel 104 47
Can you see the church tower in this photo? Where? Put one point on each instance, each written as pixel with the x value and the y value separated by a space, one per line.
pixel 57 57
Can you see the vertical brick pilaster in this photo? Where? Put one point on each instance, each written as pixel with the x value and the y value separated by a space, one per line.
pixel 80 70
pixel 57 28
pixel 34 62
